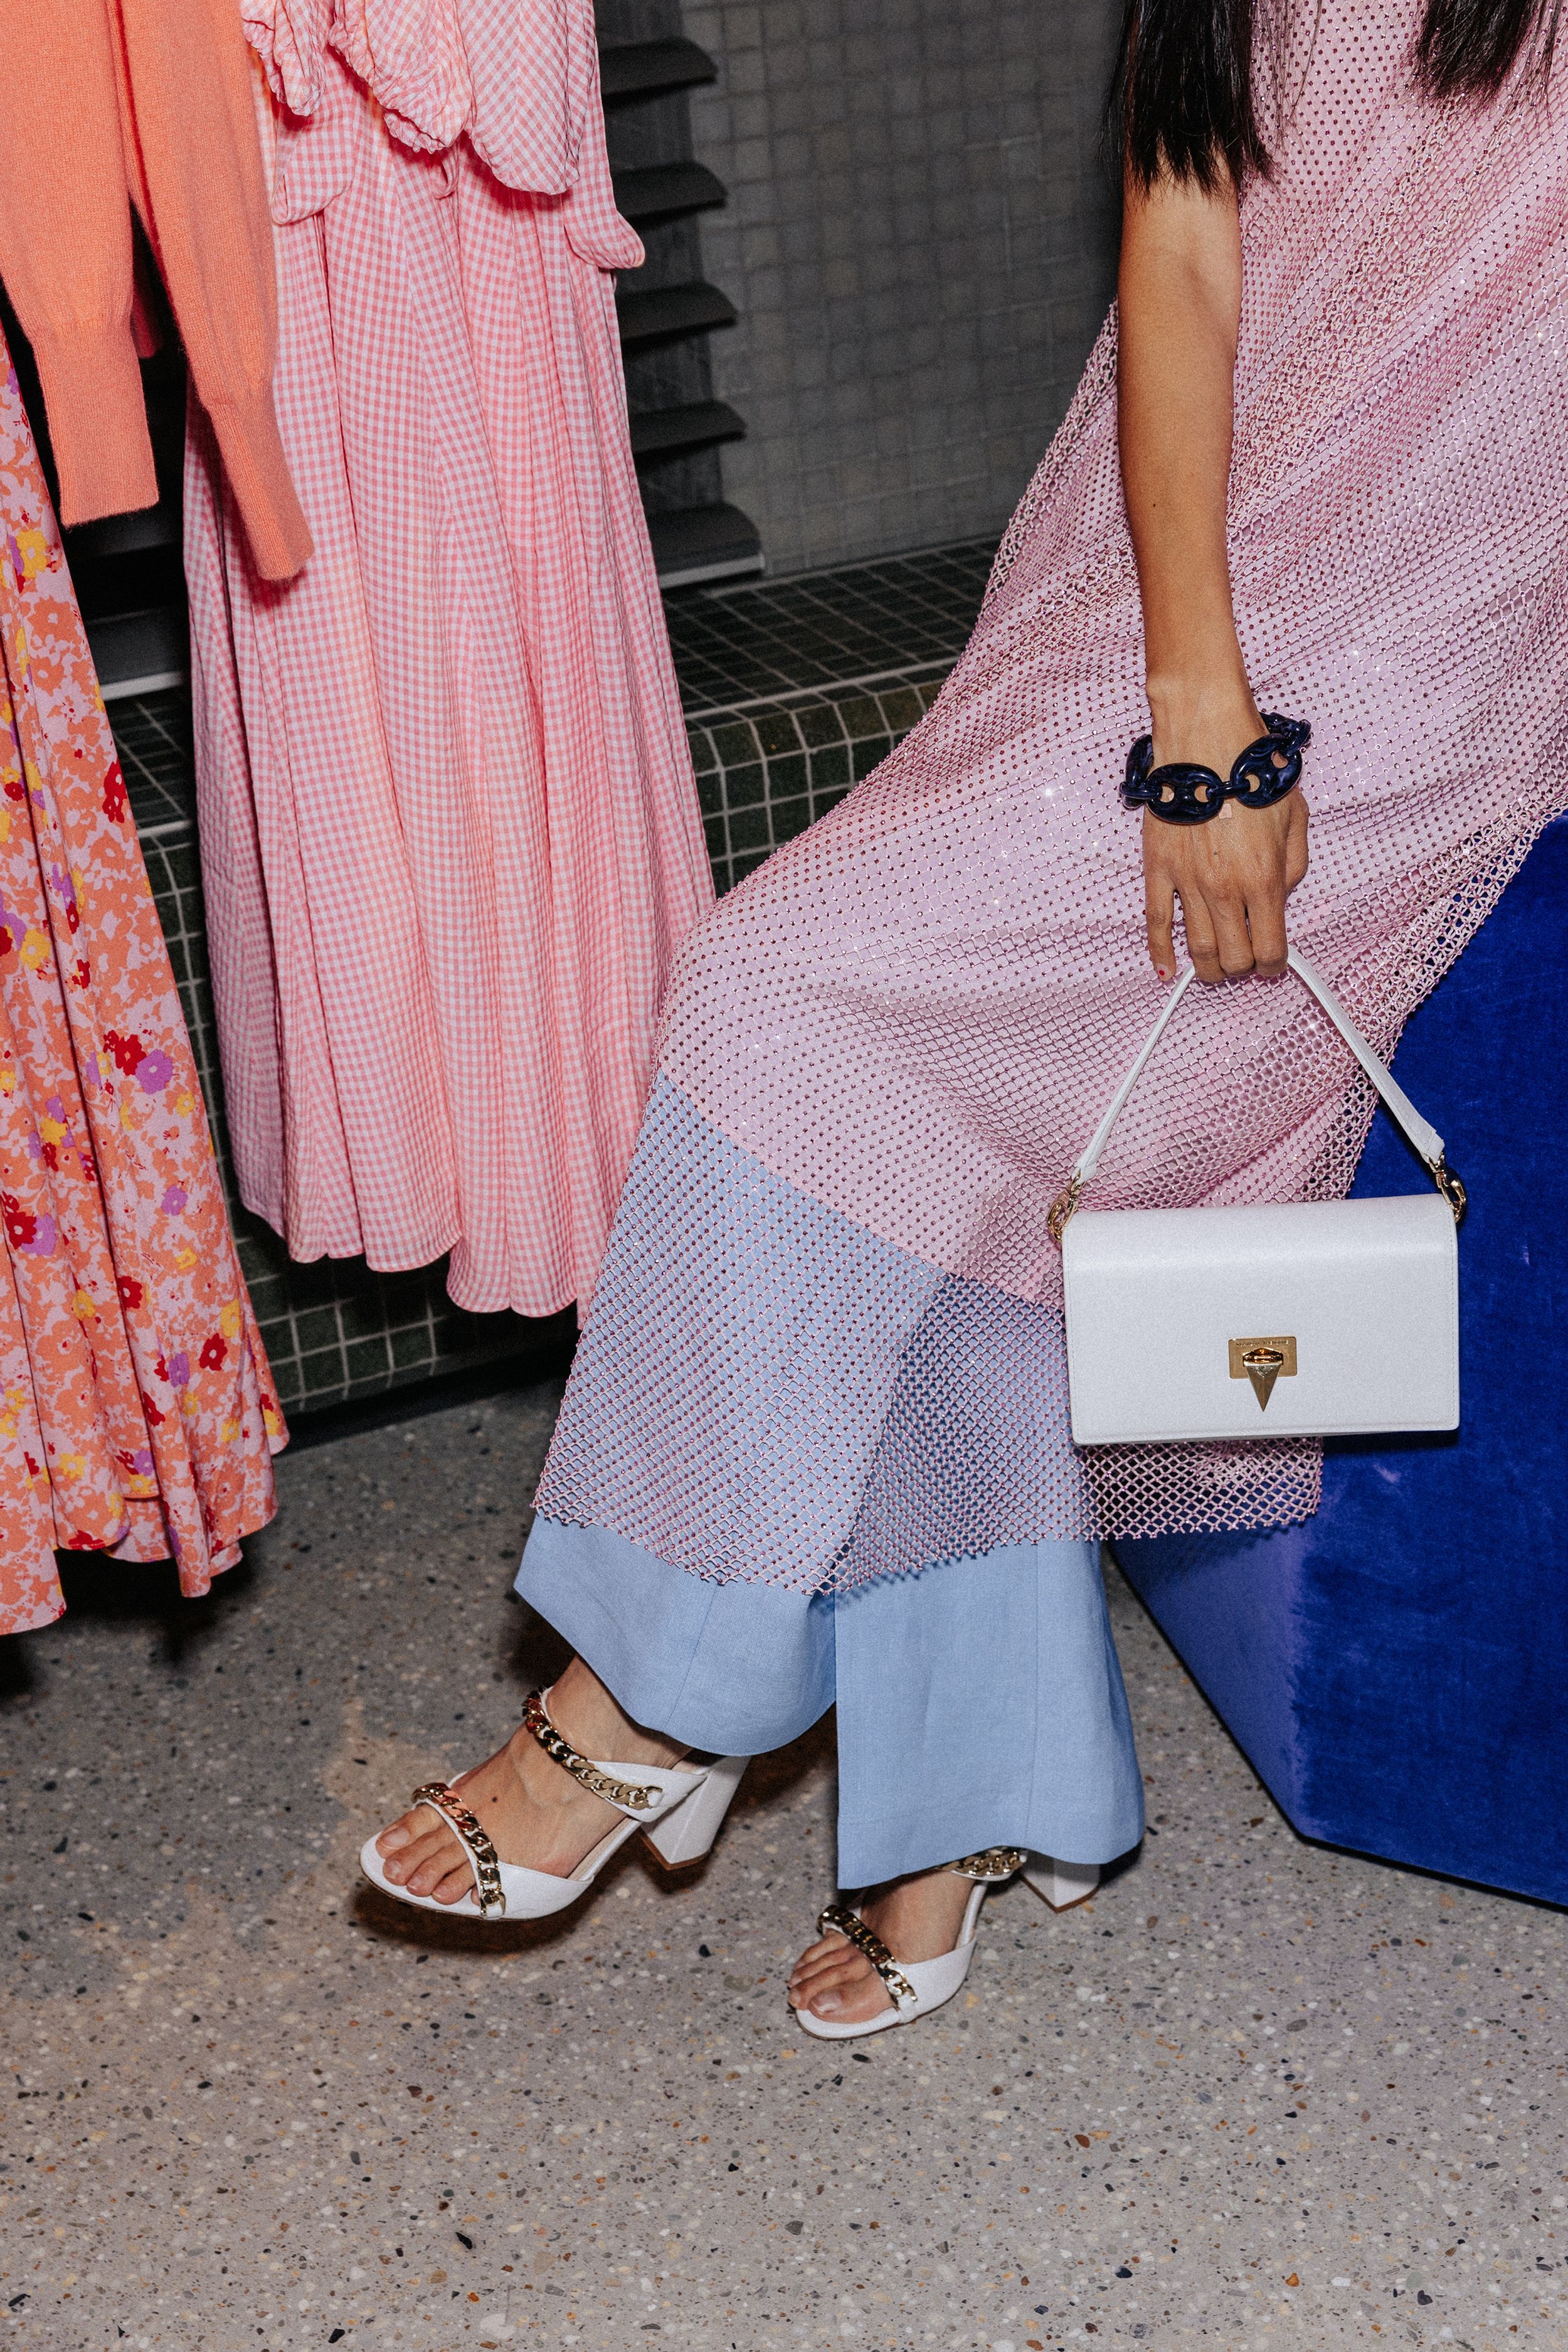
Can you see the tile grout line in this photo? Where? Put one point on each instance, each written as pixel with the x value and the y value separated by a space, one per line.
pixel 914 675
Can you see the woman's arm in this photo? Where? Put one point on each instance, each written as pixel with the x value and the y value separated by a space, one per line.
pixel 1180 305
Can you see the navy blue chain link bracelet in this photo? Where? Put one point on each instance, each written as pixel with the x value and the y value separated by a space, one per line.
pixel 1184 794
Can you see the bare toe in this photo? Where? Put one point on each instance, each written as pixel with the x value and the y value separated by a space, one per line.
pixel 852 1998
pixel 445 1862
pixel 834 1980
pixel 454 1886
pixel 406 1827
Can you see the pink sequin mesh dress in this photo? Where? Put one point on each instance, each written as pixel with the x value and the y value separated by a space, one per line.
pixel 450 837
pixel 827 1342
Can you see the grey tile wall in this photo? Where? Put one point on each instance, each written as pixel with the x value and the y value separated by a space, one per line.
pixel 920 239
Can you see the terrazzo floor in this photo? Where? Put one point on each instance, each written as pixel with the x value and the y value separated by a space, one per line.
pixel 1255 2093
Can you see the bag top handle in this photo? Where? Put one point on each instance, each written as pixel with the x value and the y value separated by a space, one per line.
pixel 1418 1132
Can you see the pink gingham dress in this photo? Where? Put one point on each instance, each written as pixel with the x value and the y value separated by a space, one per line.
pixel 450 837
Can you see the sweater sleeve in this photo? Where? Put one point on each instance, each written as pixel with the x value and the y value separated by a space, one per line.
pixel 65 249
pixel 196 165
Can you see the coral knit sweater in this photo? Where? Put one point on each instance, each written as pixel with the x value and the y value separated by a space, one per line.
pixel 103 102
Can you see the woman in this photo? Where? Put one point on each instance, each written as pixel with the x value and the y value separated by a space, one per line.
pixel 815 1443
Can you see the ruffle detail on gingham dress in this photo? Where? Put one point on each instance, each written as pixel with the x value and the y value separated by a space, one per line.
pixel 450 834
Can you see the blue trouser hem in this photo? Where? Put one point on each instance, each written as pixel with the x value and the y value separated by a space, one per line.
pixel 994 1678
pixel 878 1846
pixel 734 1668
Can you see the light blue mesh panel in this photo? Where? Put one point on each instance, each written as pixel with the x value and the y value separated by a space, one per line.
pixel 766 1391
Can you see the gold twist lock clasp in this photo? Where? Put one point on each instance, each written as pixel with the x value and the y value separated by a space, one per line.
pixel 1062 1207
pixel 1263 1362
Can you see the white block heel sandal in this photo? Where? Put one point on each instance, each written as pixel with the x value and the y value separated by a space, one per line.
pixel 677 1808
pixel 917 1987
pixel 1061 1883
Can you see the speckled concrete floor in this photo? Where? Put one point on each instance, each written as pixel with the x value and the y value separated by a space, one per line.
pixel 1257 2094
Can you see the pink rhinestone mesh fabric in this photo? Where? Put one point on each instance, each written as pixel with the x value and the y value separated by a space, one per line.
pixel 914 1014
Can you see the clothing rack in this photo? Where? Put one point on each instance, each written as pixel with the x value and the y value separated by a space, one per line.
pixel 126 569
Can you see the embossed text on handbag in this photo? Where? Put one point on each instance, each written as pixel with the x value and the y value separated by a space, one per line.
pixel 1315 1318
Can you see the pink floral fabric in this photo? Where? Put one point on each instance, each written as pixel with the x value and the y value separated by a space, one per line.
pixel 137 1415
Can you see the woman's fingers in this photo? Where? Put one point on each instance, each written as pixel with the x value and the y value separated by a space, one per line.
pixel 1227 912
pixel 1202 940
pixel 1159 914
pixel 1277 865
pixel 1266 928
pixel 1296 852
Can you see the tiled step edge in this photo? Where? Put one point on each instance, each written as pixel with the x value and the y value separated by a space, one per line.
pixel 766 774
pixel 695 425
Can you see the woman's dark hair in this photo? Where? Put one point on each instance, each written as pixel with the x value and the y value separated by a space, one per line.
pixel 1184 101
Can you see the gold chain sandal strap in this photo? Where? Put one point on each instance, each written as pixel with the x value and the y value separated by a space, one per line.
pixel 866 1940
pixel 997 1861
pixel 482 1856
pixel 616 1792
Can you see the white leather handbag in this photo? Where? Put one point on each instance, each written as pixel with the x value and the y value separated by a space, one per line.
pixel 1320 1319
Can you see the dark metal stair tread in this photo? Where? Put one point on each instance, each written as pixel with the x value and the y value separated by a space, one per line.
pixel 123 534
pixel 629 69
pixel 694 543
pixel 688 310
pixel 135 652
pixel 689 426
pixel 659 188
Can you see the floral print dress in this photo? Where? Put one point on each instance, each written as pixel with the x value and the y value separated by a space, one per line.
pixel 137 1414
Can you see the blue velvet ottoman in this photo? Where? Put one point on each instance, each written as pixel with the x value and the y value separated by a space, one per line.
pixel 1396 1670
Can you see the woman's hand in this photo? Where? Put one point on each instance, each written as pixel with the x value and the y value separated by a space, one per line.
pixel 1232 875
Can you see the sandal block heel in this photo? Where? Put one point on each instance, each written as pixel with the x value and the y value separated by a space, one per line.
pixel 1061 1883
pixel 687 1831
